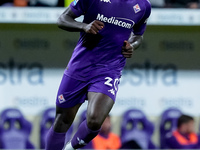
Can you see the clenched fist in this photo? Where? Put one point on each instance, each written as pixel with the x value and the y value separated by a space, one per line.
pixel 93 27
pixel 127 50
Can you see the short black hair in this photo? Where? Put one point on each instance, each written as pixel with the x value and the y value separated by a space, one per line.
pixel 184 119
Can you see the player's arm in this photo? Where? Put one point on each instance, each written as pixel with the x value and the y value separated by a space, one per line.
pixel 132 44
pixel 67 22
pixel 135 39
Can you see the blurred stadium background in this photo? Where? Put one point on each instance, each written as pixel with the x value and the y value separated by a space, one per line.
pixel 163 73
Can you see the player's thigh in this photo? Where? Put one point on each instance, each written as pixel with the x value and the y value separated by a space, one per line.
pixel 67 114
pixel 65 117
pixel 71 94
pixel 99 106
pixel 107 85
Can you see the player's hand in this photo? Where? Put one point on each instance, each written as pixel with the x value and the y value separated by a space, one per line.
pixel 93 27
pixel 127 50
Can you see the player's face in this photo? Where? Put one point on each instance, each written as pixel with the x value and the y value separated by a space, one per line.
pixel 190 127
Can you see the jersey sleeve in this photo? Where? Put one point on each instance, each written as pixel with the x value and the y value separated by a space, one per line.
pixel 139 28
pixel 80 7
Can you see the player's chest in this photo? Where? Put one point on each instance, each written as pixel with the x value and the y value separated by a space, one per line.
pixel 117 12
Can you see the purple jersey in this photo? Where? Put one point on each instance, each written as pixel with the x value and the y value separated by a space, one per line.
pixel 96 55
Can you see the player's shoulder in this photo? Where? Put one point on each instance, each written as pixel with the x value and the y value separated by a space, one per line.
pixel 146 3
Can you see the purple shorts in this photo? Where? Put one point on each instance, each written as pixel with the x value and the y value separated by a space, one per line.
pixel 72 91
